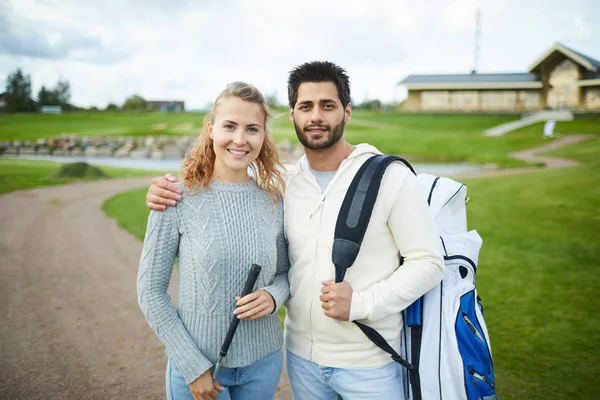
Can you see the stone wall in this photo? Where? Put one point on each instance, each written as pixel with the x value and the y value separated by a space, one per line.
pixel 564 94
pixel 152 147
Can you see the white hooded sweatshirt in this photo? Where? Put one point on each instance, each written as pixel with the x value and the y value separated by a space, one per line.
pixel 401 225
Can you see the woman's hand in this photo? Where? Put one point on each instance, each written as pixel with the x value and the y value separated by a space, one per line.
pixel 204 388
pixel 255 305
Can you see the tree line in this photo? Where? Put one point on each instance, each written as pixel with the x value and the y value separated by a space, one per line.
pixel 19 97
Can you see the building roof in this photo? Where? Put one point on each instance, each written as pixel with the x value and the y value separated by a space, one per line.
pixel 472 81
pixel 470 78
pixel 559 51
pixel 528 80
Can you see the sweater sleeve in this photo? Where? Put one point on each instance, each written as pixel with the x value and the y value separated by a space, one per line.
pixel 161 245
pixel 279 287
pixel 417 239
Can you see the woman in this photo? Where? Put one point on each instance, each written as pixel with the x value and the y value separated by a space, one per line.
pixel 225 222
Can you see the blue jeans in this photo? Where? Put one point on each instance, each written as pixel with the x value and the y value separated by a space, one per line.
pixel 311 381
pixel 256 381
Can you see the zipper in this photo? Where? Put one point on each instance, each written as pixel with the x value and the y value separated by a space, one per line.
pixel 472 327
pixel 315 185
pixel 315 272
pixel 481 377
pixel 318 208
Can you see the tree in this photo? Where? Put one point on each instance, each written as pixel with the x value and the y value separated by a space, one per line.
pixel 47 97
pixel 59 96
pixel 370 105
pixel 112 107
pixel 135 102
pixel 63 93
pixel 18 92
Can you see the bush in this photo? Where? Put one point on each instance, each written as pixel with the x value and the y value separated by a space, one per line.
pixel 80 170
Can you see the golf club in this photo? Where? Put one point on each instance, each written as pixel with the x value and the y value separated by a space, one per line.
pixel 250 281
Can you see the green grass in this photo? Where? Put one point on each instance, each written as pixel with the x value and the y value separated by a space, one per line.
pixel 445 137
pixel 28 174
pixel 35 126
pixel 420 137
pixel 538 274
pixel 129 209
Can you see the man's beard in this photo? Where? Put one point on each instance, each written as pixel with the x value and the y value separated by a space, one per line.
pixel 333 136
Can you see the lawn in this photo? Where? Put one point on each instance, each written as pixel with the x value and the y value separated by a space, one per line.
pixel 445 137
pixel 28 174
pixel 35 126
pixel 419 137
pixel 538 274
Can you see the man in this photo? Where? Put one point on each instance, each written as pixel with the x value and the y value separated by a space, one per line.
pixel 328 356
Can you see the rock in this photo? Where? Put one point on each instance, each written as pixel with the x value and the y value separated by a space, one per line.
pixel 104 151
pixel 157 155
pixel 91 151
pixel 43 151
pixel 140 153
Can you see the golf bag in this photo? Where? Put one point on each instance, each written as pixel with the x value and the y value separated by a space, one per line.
pixel 445 346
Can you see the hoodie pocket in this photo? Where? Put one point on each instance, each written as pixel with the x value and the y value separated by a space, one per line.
pixel 474 350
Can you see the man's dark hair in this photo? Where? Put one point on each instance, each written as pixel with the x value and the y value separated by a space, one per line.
pixel 319 71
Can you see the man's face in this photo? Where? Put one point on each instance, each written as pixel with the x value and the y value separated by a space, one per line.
pixel 318 115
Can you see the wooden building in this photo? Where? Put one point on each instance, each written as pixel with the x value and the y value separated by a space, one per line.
pixel 561 78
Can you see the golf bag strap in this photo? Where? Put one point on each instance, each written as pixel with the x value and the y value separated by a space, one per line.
pixel 350 229
pixel 356 211
pixel 380 342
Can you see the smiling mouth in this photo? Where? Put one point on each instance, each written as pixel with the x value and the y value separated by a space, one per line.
pixel 317 130
pixel 238 153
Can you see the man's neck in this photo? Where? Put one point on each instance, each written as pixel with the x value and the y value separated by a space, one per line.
pixel 329 159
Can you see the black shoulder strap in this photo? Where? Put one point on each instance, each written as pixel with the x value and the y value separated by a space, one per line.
pixel 356 211
pixel 350 229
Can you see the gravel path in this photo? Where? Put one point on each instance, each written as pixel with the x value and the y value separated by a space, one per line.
pixel 71 327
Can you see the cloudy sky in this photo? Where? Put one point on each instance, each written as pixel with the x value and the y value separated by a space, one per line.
pixel 189 49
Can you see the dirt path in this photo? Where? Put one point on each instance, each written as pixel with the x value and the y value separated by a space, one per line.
pixel 71 327
pixel 531 155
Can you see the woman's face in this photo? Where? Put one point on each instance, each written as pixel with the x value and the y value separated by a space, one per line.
pixel 238 134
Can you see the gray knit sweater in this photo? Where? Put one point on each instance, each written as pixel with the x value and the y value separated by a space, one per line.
pixel 216 235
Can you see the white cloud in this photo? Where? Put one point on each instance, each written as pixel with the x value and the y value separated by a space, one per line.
pixel 188 50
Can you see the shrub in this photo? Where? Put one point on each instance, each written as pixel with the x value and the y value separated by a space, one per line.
pixel 80 170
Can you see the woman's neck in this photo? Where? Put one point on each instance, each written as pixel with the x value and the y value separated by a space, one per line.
pixel 233 176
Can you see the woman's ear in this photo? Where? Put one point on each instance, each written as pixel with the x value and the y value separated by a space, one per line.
pixel 210 131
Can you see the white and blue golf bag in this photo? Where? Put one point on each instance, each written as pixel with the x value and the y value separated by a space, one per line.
pixel 445 346
pixel 445 335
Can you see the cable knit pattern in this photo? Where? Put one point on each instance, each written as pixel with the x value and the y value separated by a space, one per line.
pixel 216 235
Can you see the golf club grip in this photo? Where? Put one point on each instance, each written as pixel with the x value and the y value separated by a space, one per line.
pixel 250 281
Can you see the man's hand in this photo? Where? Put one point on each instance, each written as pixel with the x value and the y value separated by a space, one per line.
pixel 163 193
pixel 204 388
pixel 255 305
pixel 336 299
